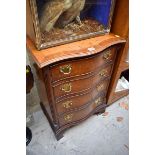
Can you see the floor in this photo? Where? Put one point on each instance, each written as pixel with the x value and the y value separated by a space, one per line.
pixel 105 134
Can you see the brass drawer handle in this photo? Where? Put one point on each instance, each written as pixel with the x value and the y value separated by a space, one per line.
pixel 67 104
pixel 67 87
pixel 66 69
pixel 107 55
pixel 103 73
pixel 68 117
pixel 100 87
pixel 98 101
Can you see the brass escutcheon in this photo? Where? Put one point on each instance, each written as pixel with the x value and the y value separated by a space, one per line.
pixel 68 117
pixel 98 101
pixel 66 69
pixel 103 72
pixel 67 104
pixel 67 87
pixel 107 55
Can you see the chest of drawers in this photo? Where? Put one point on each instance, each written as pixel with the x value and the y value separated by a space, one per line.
pixel 73 86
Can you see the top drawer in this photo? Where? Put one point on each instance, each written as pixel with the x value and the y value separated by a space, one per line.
pixel 81 66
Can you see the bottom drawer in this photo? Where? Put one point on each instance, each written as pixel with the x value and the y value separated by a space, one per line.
pixel 81 114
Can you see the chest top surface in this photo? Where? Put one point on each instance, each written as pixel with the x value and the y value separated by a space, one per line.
pixel 72 50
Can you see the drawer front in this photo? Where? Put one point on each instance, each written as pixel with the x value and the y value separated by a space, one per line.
pixel 77 101
pixel 81 66
pixel 80 114
pixel 80 85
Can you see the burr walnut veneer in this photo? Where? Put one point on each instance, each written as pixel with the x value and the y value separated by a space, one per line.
pixel 73 79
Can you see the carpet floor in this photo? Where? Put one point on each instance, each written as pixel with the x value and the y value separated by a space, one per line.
pixel 104 134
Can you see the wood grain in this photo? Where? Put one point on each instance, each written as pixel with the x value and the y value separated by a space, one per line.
pixel 120 66
pixel 96 83
pixel 81 100
pixel 82 84
pixel 82 66
pixel 120 23
pixel 120 26
pixel 72 50
pixel 78 115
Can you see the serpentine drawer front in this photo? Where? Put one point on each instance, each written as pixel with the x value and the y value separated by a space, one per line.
pixel 81 66
pixel 81 84
pixel 73 80
pixel 82 113
pixel 77 101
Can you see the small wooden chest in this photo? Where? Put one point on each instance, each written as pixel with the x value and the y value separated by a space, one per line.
pixel 73 79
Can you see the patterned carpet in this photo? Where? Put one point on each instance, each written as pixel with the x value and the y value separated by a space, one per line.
pixel 105 134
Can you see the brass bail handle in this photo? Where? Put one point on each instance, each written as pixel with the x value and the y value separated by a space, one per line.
pixel 67 104
pixel 67 87
pixel 66 69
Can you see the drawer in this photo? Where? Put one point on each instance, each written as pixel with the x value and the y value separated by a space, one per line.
pixel 81 66
pixel 83 113
pixel 80 100
pixel 81 85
